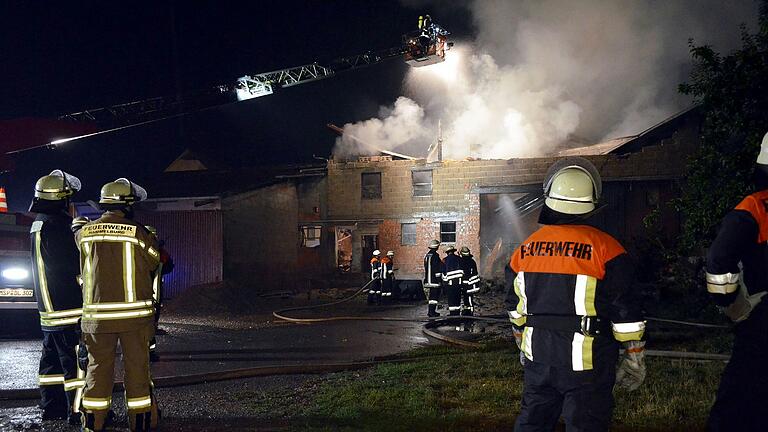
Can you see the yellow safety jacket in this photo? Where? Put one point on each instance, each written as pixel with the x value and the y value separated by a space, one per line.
pixel 118 260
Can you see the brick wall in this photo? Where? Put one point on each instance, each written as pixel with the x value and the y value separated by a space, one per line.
pixel 455 192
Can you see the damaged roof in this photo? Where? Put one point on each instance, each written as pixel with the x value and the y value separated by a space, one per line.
pixel 226 182
pixel 655 134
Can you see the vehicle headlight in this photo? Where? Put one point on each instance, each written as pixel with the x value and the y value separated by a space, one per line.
pixel 15 273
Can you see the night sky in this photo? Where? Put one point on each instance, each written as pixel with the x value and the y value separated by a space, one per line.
pixel 60 57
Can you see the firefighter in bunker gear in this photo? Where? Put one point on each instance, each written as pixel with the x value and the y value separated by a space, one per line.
pixel 157 281
pixel 433 277
pixel 471 281
pixel 737 280
pixel 118 258
pixel 55 270
pixel 452 279
pixel 572 298
pixel 387 276
pixel 374 292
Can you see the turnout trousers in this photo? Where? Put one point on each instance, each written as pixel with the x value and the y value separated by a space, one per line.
pixel 467 299
pixel 584 398
pixel 743 392
pixel 433 300
pixel 97 398
pixel 453 291
pixel 374 292
pixel 58 373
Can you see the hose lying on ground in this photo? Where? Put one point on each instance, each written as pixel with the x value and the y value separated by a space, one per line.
pixel 280 314
pixel 431 324
pixel 429 329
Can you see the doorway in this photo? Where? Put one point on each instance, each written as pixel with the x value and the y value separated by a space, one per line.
pixel 369 244
pixel 344 249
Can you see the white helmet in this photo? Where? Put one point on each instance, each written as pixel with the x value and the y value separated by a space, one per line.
pixel 572 186
pixel 762 158
pixel 376 252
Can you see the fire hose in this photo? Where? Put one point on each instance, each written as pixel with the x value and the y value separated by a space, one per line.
pixel 429 329
pixel 430 324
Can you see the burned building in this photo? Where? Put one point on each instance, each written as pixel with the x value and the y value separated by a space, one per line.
pixel 300 226
pixel 491 206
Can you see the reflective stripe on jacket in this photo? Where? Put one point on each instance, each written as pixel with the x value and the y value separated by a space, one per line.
pixel 471 278
pixel 742 238
pixel 55 269
pixel 573 270
pixel 375 268
pixel 452 272
pixel 432 269
pixel 119 259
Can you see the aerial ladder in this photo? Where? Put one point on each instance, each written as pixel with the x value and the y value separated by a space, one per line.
pixel 423 47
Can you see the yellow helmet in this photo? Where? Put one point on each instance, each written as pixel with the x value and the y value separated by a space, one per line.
pixel 122 192
pixel 572 186
pixel 56 186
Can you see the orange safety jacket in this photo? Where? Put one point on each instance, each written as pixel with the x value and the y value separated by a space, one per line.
pixel 375 268
pixel 743 238
pixel 573 273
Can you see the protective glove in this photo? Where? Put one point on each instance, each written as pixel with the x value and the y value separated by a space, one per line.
pixel 631 371
pixel 518 333
pixel 78 223
pixel 740 309
pixel 82 357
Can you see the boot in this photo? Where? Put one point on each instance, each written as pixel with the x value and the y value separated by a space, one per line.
pixel 89 423
pixel 140 422
pixel 432 311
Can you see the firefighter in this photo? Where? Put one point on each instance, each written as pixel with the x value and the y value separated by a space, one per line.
pixel 471 281
pixel 433 277
pixel 572 305
pixel 737 281
pixel 119 259
pixel 374 292
pixel 394 291
pixel 157 291
pixel 425 36
pixel 386 276
pixel 452 279
pixel 55 270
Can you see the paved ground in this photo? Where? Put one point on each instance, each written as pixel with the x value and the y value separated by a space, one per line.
pixel 216 342
pixel 197 348
pixel 214 339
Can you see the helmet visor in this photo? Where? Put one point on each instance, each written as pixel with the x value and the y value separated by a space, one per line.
pixel 70 181
pixel 139 193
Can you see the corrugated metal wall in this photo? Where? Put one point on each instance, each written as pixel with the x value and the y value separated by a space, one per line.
pixel 195 242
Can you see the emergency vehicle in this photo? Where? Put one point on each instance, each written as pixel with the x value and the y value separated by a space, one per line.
pixel 16 286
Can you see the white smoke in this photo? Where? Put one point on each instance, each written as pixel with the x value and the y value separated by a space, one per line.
pixel 542 74
pixel 403 124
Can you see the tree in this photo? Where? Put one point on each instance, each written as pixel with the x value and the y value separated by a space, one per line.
pixel 732 91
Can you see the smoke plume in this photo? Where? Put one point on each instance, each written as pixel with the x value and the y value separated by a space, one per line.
pixel 544 74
